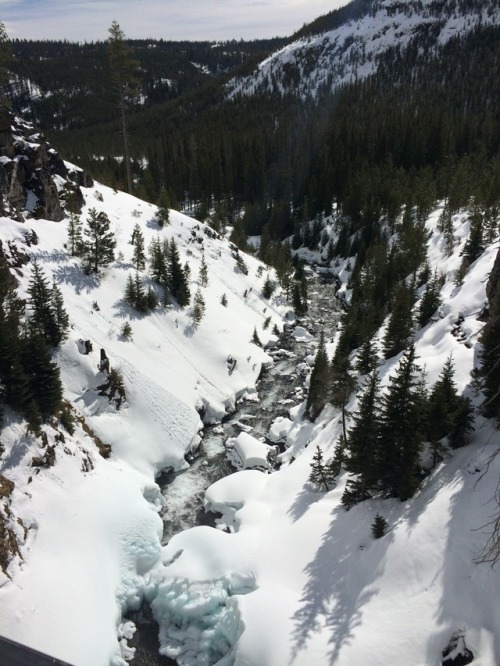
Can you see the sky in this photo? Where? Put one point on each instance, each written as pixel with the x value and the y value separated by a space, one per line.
pixel 89 20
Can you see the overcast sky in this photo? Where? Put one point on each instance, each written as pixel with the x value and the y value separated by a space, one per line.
pixel 89 20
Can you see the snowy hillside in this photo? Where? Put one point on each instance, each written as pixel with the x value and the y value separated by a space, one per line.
pixel 290 577
pixel 352 51
pixel 300 580
pixel 87 526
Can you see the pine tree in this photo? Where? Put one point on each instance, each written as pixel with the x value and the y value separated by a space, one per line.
pixel 177 281
pixel 223 300
pixel 61 317
pixel 367 358
pixel 342 384
pixel 6 56
pixel 135 294
pixel 255 338
pixel 400 431
pixel 463 423
pixel 431 301
pixel 320 475
pixel 298 306
pixel 126 330
pixel 198 307
pixel 75 235
pixel 124 72
pixel 159 268
pixel 363 441
pixel 42 316
pixel 400 325
pixel 163 213
pixel 43 373
pixel 99 248
pixel 268 288
pixel 319 383
pixel 443 402
pixel 379 527
pixel 139 256
pixel 49 317
pixel 203 276
pixel 474 245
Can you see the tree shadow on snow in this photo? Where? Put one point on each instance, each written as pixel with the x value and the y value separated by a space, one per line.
pixel 74 276
pixel 469 600
pixel 303 501
pixel 340 581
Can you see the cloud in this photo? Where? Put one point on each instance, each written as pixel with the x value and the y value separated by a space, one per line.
pixel 88 20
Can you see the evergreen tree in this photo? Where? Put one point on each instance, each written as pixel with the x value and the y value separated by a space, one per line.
pixel 268 288
pixel 320 475
pixel 124 72
pixel 135 293
pixel 463 423
pixel 42 315
pixel 379 527
pixel 49 317
pixel 163 213
pixel 443 402
pixel 43 373
pixel 367 358
pixel 400 432
pixel 6 56
pixel 223 300
pixel 203 276
pixel 61 317
pixel 474 245
pixel 255 338
pixel 431 301
pixel 177 281
pixel 400 325
pixel 298 306
pixel 198 307
pixel 342 384
pixel 319 383
pixel 139 256
pixel 159 268
pixel 126 330
pixel 75 235
pixel 364 443
pixel 151 299
pixel 99 248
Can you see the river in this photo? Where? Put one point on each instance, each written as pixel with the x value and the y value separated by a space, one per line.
pixel 279 388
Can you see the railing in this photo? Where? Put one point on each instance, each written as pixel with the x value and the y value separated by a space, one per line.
pixel 15 654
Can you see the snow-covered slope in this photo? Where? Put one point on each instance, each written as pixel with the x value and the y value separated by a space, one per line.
pixel 351 51
pixel 87 526
pixel 299 580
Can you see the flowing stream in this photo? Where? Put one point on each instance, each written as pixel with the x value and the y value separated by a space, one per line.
pixel 278 389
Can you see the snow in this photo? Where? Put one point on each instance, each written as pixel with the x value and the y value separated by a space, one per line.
pixel 245 452
pixel 94 537
pixel 352 51
pixel 288 575
pixel 325 591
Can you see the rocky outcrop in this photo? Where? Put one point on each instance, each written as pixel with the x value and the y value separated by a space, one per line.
pixel 493 285
pixel 34 180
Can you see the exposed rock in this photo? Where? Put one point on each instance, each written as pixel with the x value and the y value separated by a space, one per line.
pixel 456 653
pixel 493 284
pixel 47 460
pixel 28 168
pixel 6 486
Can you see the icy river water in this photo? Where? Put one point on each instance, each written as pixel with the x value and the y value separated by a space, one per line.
pixel 279 388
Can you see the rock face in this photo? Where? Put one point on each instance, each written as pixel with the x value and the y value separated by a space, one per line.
pixel 34 181
pixel 493 285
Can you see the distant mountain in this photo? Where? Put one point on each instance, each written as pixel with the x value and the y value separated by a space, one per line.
pixel 61 85
pixel 348 45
